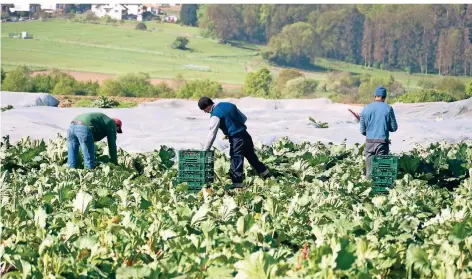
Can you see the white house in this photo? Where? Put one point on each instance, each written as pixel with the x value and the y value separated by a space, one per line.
pixel 25 7
pixel 115 11
pixel 135 9
pixel 118 11
pixel 52 7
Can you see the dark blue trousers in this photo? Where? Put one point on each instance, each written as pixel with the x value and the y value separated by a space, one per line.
pixel 241 146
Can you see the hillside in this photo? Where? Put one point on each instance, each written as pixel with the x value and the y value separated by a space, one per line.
pixel 121 49
pixel 99 51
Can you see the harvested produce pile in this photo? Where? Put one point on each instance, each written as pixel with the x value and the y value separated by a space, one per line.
pixel 315 218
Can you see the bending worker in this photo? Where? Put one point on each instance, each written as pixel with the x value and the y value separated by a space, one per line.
pixel 86 129
pixel 377 119
pixel 231 121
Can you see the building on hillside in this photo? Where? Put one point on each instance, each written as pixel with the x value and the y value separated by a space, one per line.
pixel 6 8
pixel 54 7
pixel 119 11
pixel 135 9
pixel 153 8
pixel 23 7
pixel 115 11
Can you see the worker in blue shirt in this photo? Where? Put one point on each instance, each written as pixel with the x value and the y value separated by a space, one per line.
pixel 377 119
pixel 227 117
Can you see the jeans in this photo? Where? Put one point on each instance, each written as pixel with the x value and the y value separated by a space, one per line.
pixel 80 135
pixel 371 149
pixel 241 146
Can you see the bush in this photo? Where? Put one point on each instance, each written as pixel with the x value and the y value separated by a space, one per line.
pixel 342 82
pixel 130 85
pixel 111 88
pixel 3 74
pixel 180 43
pixel 426 95
pixel 141 26
pixel 300 87
pixel 295 45
pixel 65 86
pixel 107 19
pixel 18 80
pixel 426 84
pixel 43 83
pixel 104 102
pixel 468 90
pixel 258 83
pixel 88 88
pixel 164 91
pixel 367 89
pixel 89 16
pixel 452 85
pixel 198 88
pixel 285 75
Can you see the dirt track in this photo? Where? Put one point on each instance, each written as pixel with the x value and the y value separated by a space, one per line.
pixel 100 77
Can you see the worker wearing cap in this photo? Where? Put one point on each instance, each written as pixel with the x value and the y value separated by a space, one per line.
pixel 227 117
pixel 86 129
pixel 377 119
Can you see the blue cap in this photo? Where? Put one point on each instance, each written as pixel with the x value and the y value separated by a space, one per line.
pixel 380 91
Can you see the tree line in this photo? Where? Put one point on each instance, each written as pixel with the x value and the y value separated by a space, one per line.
pixel 413 38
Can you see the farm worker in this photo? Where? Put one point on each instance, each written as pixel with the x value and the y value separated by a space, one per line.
pixel 377 119
pixel 231 121
pixel 87 128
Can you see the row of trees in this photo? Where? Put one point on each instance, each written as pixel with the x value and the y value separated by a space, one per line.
pixel 411 38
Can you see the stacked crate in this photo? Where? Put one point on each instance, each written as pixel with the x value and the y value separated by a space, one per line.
pixel 196 168
pixel 384 170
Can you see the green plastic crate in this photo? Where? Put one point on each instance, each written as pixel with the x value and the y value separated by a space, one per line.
pixel 382 172
pixel 205 175
pixel 195 156
pixel 196 168
pixel 384 162
pixel 380 190
pixel 382 180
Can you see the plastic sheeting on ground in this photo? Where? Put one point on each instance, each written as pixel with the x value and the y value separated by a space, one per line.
pixel 19 99
pixel 181 124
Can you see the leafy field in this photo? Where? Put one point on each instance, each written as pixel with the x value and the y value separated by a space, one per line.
pixel 315 218
pixel 100 48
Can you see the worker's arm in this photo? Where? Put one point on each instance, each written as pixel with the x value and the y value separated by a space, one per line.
pixel 362 123
pixel 111 138
pixel 393 121
pixel 214 125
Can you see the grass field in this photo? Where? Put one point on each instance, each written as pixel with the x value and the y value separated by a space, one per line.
pixel 121 49
pixel 108 49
